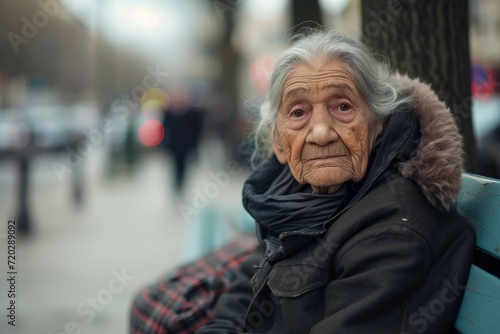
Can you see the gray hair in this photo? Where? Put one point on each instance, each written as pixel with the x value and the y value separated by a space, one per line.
pixel 372 78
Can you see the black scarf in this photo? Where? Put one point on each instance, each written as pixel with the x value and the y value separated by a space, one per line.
pixel 280 204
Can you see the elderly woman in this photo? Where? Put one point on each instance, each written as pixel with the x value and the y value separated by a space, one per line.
pixel 354 203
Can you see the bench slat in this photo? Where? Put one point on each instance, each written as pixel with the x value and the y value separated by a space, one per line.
pixel 480 310
pixel 479 203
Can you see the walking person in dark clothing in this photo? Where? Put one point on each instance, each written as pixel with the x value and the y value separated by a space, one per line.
pixel 183 124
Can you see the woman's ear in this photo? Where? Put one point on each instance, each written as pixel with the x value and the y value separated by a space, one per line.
pixel 278 150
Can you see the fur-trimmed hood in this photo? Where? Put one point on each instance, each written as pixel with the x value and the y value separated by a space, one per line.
pixel 437 165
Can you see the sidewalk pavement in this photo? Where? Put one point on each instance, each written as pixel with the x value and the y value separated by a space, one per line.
pixel 82 266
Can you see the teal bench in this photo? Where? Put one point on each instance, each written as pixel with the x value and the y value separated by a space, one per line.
pixel 479 203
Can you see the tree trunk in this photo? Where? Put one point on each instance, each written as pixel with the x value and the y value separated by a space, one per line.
pixel 428 39
pixel 305 14
pixel 227 83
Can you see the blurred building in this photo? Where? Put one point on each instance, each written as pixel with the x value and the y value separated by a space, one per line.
pixel 45 42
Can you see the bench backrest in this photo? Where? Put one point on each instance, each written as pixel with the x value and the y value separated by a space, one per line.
pixel 479 203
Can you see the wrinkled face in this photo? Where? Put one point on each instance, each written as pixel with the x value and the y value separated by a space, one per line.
pixel 325 130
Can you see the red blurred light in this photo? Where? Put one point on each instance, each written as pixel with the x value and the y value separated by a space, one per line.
pixel 151 133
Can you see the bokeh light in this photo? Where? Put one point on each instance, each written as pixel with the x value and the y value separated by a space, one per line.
pixel 154 100
pixel 151 133
pixel 144 17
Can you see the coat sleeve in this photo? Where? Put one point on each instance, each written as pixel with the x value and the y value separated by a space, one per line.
pixel 376 275
pixel 231 308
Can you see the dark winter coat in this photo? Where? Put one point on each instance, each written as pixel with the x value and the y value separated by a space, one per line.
pixel 392 257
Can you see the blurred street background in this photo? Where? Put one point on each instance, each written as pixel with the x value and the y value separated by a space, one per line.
pixel 124 138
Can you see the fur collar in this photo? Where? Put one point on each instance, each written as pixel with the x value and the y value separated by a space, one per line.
pixel 437 166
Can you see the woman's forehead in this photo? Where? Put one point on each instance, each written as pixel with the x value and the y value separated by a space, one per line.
pixel 327 75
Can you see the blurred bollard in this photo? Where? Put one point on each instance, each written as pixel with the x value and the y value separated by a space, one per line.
pixel 23 218
pixel 130 149
pixel 77 180
pixel 205 232
pixel 214 227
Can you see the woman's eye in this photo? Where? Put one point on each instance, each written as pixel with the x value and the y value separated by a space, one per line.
pixel 298 113
pixel 344 107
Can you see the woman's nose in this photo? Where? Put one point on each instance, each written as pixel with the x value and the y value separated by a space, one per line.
pixel 321 128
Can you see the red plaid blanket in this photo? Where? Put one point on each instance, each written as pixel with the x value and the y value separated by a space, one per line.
pixel 183 301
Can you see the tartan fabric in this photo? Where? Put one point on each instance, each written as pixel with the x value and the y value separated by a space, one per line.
pixel 183 301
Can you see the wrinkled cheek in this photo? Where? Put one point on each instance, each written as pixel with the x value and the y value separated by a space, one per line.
pixel 359 166
pixel 293 143
pixel 358 150
pixel 293 157
pixel 288 152
pixel 297 170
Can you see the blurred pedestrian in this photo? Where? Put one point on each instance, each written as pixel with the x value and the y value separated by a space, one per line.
pixel 183 124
